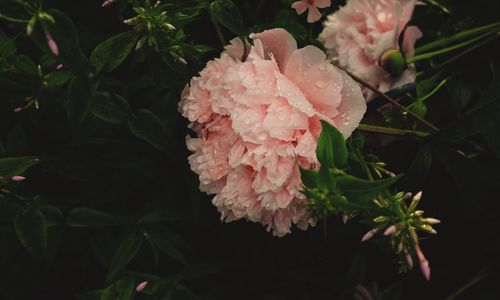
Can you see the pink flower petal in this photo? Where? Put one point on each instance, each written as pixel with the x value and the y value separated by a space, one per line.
pixel 323 3
pixel 411 35
pixel 320 82
pixel 277 42
pixel 352 108
pixel 313 14
pixel 300 6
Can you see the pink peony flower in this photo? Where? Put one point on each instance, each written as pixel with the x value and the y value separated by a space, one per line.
pixel 256 111
pixel 312 6
pixel 359 34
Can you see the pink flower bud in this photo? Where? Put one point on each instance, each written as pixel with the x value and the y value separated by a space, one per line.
pixel 107 3
pixel 59 66
pixel 426 270
pixel 345 218
pixel 431 221
pixel 390 230
pixel 19 109
pixel 17 178
pixel 409 261
pixel 369 234
pixel 52 44
pixel 141 286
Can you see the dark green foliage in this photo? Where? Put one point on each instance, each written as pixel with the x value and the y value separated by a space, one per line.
pixel 109 200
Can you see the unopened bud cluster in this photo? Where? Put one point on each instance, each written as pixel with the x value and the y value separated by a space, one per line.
pixel 152 21
pixel 402 231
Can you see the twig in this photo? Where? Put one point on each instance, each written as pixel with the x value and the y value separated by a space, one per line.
pixel 394 102
pixel 218 30
pixel 391 131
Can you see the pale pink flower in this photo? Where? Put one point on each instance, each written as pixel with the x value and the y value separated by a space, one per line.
pixel 312 6
pixel 258 120
pixel 360 33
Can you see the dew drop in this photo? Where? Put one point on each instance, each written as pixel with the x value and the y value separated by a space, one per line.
pixel 322 67
pixel 262 137
pixel 322 84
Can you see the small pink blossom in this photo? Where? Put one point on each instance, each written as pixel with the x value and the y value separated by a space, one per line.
pixel 369 234
pixel 107 3
pixel 18 178
pixel 312 6
pixel 141 286
pixel 360 33
pixel 51 43
pixel 258 120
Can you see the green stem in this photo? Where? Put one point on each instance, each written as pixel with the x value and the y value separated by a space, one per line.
pixel 446 50
pixel 10 19
pixel 391 131
pixel 456 37
pixel 389 99
pixel 218 30
pixel 395 205
pixel 491 38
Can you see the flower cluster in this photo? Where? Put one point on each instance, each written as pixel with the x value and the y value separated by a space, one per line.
pixel 403 231
pixel 364 37
pixel 256 112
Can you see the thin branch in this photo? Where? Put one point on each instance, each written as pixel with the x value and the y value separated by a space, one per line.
pixel 485 41
pixel 10 19
pixel 391 131
pixel 218 30
pixel 391 100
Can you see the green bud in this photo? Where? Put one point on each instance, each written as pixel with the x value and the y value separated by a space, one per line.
pixel 381 219
pixel 31 24
pixel 45 17
pixel 394 62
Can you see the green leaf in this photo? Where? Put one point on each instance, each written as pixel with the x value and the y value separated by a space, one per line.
pixel 31 229
pixel 427 87
pixel 480 119
pixel 7 46
pixel 166 241
pixel 226 12
pixel 12 166
pixel 359 190
pixel 88 217
pixel 59 78
pixel 109 54
pixel 419 108
pixel 126 251
pixel 331 149
pixel 309 177
pixel 460 92
pixel 110 108
pixel 90 295
pixel 120 290
pixel 147 126
pixel 24 64
pixel 79 99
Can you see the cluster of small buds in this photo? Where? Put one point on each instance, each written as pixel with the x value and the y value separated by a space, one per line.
pixel 151 20
pixel 403 231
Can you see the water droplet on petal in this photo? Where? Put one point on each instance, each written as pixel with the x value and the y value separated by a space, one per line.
pixel 322 67
pixel 322 84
